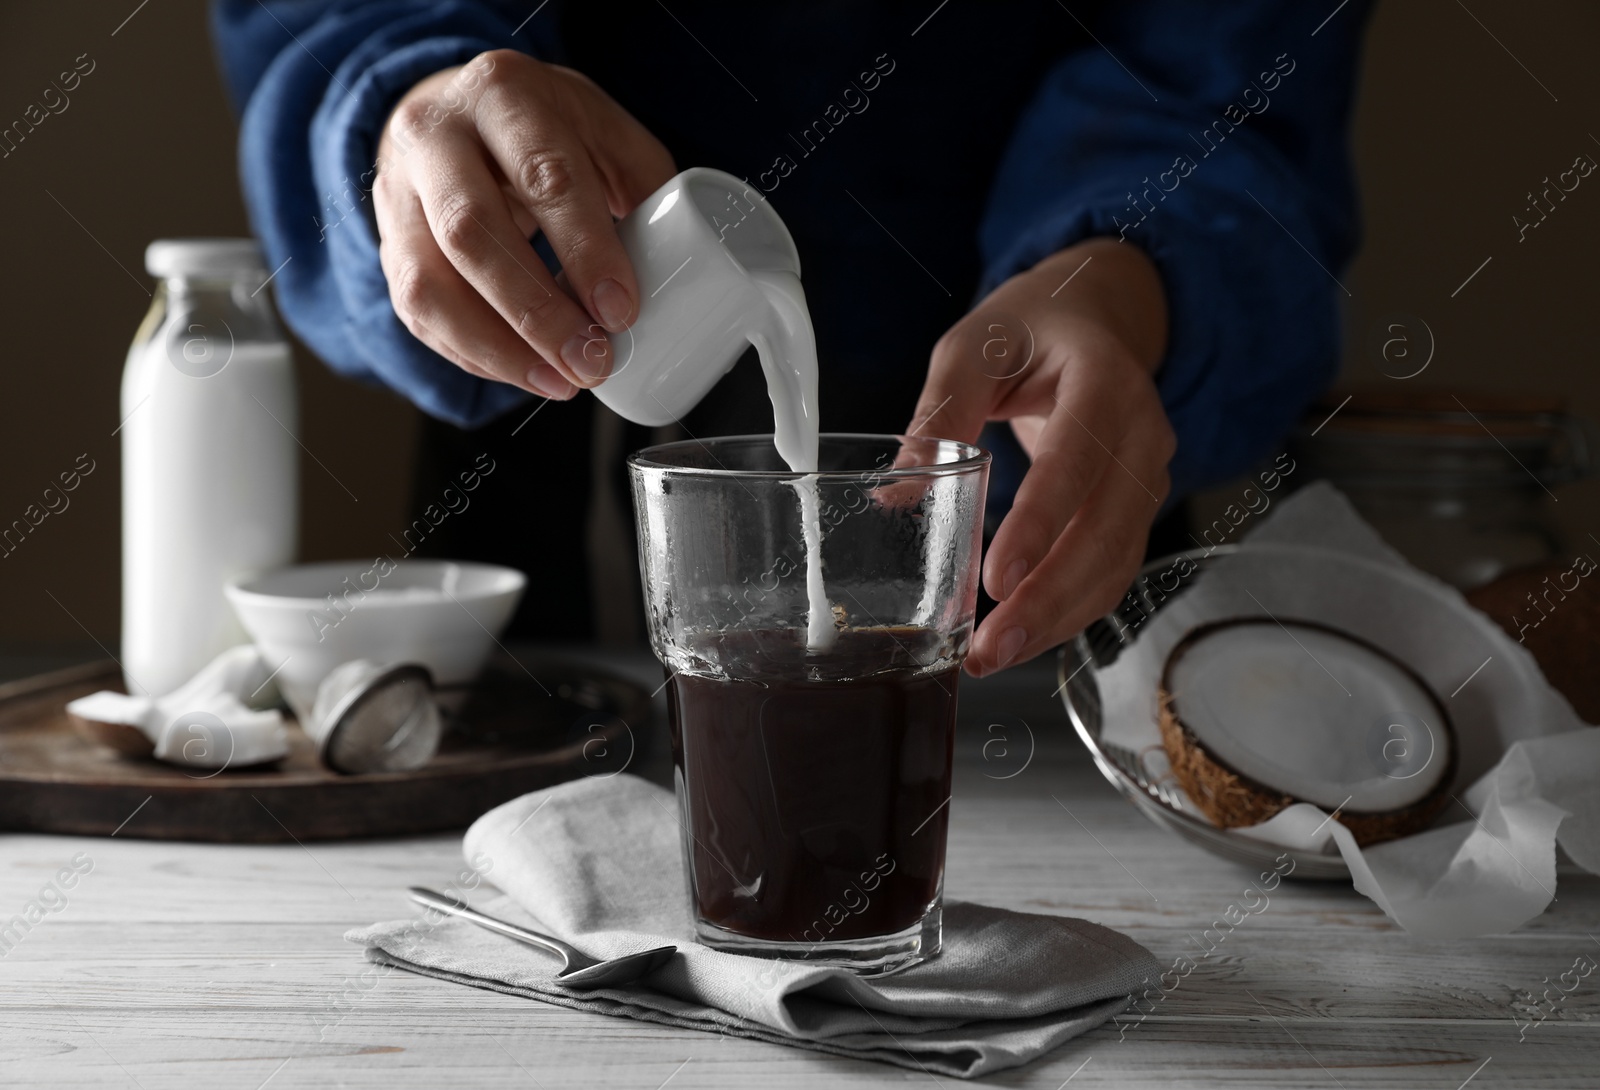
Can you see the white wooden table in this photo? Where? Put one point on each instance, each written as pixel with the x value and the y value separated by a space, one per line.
pixel 188 965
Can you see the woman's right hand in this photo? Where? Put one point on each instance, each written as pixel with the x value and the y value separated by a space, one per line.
pixel 472 162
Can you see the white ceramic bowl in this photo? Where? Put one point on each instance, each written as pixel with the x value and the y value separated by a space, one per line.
pixel 309 619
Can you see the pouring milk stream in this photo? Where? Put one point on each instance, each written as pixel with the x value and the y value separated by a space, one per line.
pixel 718 272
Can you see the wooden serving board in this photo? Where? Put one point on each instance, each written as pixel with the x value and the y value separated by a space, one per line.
pixel 513 735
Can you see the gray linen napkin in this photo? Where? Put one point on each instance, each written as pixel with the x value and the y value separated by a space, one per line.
pixel 598 863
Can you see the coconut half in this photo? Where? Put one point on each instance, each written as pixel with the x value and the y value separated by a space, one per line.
pixel 1258 714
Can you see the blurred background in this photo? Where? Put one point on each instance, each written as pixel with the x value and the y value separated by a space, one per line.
pixel 1463 110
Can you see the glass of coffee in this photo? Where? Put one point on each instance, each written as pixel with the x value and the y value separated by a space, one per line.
pixel 813 627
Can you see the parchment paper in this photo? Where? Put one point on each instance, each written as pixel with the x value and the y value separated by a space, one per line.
pixel 1529 772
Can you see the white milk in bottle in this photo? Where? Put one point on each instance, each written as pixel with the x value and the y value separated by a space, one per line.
pixel 209 460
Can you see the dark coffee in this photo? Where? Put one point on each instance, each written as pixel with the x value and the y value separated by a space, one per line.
pixel 816 795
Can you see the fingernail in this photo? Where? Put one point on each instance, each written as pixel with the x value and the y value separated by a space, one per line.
pixel 612 305
pixel 551 385
pixel 588 354
pixel 1014 573
pixel 1011 641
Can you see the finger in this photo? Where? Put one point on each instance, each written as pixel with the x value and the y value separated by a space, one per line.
pixel 469 218
pixel 553 176
pixel 632 161
pixel 1028 429
pixel 971 370
pixel 443 311
pixel 412 264
pixel 1089 566
pixel 1070 456
pixel 527 225
pixel 962 389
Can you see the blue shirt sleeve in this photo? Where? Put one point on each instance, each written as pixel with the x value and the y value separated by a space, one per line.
pixel 315 83
pixel 1214 138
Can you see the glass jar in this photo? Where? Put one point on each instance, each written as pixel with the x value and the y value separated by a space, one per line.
pixel 1460 485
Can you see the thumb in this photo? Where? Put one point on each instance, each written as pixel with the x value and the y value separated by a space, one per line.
pixel 972 369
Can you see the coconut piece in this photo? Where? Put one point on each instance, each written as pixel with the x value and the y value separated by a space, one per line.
pixel 207 722
pixel 114 720
pixel 1554 611
pixel 1257 714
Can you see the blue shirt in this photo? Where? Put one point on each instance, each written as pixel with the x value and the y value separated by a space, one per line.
pixel 920 153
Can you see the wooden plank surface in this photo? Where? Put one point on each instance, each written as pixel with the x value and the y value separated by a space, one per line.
pixel 180 965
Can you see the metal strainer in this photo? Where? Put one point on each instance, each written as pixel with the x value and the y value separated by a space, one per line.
pixel 376 717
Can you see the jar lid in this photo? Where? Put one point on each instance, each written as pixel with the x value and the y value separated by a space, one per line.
pixel 1436 439
pixel 199 256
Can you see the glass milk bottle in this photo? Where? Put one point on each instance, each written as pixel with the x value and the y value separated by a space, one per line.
pixel 209 487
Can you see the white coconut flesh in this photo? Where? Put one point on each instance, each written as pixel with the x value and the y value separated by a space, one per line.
pixel 1311 713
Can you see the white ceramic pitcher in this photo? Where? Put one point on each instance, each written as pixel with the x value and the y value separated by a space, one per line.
pixel 702 247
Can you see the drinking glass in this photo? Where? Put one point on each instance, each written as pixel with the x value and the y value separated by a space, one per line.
pixel 812 782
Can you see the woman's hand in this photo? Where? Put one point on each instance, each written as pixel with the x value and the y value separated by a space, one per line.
pixel 472 162
pixel 1065 352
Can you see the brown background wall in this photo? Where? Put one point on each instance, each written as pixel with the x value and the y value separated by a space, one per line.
pixel 1451 133
pixel 144 151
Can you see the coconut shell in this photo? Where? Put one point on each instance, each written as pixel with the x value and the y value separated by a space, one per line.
pixel 1234 800
pixel 1560 626
pixel 129 741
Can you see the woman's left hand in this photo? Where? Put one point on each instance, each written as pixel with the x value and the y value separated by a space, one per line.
pixel 1066 352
